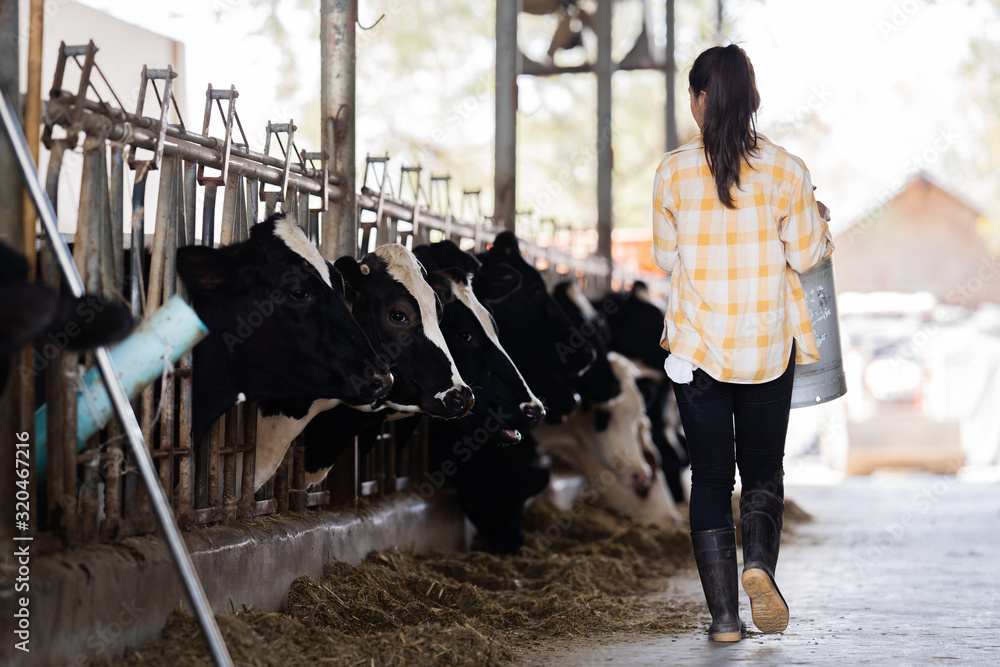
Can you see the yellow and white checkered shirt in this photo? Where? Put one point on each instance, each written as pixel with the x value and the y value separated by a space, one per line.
pixel 736 302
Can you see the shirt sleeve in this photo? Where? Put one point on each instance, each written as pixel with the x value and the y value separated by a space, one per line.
pixel 805 236
pixel 664 248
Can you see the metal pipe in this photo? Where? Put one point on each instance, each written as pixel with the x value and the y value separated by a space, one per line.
pixel 161 504
pixel 251 166
pixel 508 58
pixel 337 104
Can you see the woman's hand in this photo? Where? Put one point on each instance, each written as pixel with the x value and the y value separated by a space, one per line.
pixel 824 212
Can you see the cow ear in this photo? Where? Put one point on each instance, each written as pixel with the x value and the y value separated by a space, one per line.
pixel 13 265
pixel 497 283
pixel 205 271
pixel 336 278
pixel 506 244
pixel 468 262
pixel 28 310
pixel 96 321
pixel 350 270
pixel 441 286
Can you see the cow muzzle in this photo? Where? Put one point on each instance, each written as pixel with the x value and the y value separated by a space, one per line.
pixel 639 481
pixel 533 412
pixel 381 384
pixel 456 402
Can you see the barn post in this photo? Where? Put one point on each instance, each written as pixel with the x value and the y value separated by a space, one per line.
pixel 337 86
pixel 505 152
pixel 671 72
pixel 11 233
pixel 605 154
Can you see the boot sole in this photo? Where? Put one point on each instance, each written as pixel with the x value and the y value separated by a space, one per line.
pixel 770 613
pixel 726 637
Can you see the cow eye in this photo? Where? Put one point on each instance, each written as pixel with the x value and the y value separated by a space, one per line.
pixel 398 317
pixel 299 295
pixel 465 336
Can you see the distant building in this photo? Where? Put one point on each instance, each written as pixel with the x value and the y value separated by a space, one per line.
pixel 926 238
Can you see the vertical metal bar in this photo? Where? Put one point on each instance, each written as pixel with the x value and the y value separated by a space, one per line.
pixel 117 211
pixel 135 499
pixel 251 209
pixel 119 398
pixel 247 506
pixel 190 202
pixel 337 102
pixel 604 70
pixel 230 202
pixel 508 65
pixel 215 436
pixel 229 459
pixel 55 385
pixel 281 476
pixel 138 244
pixel 671 72
pixel 185 470
pixel 175 227
pixel 208 216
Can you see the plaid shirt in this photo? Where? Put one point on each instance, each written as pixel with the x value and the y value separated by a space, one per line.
pixel 736 302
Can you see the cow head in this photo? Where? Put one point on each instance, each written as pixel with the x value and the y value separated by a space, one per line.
pixel 504 403
pixel 397 307
pixel 279 325
pixel 612 432
pixel 31 311
pixel 635 324
pixel 533 328
pixel 599 383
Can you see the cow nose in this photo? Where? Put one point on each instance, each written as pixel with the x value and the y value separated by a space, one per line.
pixel 640 481
pixel 383 383
pixel 533 412
pixel 458 400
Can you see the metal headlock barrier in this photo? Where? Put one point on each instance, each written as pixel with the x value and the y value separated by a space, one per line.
pixel 94 491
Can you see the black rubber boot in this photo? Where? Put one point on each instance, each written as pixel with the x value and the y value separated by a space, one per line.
pixel 715 554
pixel 761 515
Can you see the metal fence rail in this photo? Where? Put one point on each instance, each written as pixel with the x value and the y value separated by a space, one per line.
pixel 94 492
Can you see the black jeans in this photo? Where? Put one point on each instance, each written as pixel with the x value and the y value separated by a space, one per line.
pixel 728 425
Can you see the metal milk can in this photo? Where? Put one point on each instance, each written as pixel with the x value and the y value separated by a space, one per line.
pixel 824 380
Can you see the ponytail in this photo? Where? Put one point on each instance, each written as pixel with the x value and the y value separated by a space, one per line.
pixel 729 130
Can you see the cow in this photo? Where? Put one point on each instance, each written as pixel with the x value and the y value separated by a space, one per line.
pixel 533 328
pixel 396 308
pixel 488 456
pixel 635 324
pixel 611 446
pixel 279 325
pixel 30 311
pixel 599 383
pixel 472 336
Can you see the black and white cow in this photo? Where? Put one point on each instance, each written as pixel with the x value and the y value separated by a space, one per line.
pixel 598 384
pixel 473 338
pixel 533 328
pixel 398 311
pixel 30 311
pixel 636 325
pixel 611 446
pixel 279 325
pixel 489 455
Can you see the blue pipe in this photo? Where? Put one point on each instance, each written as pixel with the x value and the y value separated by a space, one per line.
pixel 171 331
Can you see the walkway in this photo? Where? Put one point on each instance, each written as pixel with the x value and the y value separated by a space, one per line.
pixel 895 570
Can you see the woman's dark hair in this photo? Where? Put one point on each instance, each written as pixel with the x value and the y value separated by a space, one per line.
pixel 729 129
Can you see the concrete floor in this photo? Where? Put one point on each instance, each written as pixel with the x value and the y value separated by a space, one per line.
pixel 895 570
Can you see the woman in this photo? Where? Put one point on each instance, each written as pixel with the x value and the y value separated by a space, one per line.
pixel 734 224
